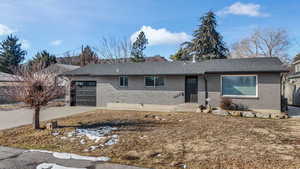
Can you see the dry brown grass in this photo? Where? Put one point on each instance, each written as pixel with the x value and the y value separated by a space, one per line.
pixel 197 140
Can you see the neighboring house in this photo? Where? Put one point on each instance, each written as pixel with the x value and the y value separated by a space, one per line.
pixel 292 89
pixel 253 82
pixel 76 60
pixel 6 80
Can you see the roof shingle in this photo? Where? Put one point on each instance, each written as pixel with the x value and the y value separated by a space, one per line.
pixel 182 68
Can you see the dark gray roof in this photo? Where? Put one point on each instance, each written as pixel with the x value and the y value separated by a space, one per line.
pixel 182 68
pixel 61 68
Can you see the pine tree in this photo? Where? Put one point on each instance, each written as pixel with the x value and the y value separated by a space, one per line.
pixel 88 56
pixel 43 60
pixel 138 47
pixel 11 54
pixel 181 54
pixel 207 42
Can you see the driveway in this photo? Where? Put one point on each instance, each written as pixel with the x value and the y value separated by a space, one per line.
pixel 11 158
pixel 294 112
pixel 18 117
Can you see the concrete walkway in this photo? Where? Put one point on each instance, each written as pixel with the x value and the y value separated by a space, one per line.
pixel 294 112
pixel 18 117
pixel 11 158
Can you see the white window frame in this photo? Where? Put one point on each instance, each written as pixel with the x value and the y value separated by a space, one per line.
pixel 123 82
pixel 154 86
pixel 240 96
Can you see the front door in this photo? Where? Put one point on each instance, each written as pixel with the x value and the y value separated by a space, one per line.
pixel 191 89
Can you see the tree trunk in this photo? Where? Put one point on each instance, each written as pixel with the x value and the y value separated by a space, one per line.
pixel 36 118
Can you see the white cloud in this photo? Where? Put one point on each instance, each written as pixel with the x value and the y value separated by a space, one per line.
pixel 25 44
pixel 161 36
pixel 239 8
pixel 56 42
pixel 5 30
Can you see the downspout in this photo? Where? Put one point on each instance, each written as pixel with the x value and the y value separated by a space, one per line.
pixel 205 88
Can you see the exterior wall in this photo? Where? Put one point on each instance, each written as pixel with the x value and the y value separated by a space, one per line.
pixel 268 92
pixel 109 91
pixel 292 91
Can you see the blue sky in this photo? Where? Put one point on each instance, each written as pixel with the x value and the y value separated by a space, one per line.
pixel 62 25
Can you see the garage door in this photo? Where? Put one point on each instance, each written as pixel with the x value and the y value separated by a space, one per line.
pixel 83 93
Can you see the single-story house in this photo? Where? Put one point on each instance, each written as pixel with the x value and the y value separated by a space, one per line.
pixel 292 89
pixel 6 80
pixel 253 82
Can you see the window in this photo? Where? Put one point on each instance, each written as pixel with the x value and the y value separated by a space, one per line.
pixel 124 81
pixel 242 85
pixel 154 81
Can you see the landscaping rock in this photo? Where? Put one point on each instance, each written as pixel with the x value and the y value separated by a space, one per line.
pixel 220 112
pixel 248 114
pixel 263 115
pixel 235 113
pixel 279 116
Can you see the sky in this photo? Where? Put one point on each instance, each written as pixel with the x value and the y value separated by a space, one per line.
pixel 65 25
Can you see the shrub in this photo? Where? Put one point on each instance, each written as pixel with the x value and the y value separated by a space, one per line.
pixel 226 103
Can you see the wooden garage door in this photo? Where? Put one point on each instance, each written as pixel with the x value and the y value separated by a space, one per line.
pixel 83 93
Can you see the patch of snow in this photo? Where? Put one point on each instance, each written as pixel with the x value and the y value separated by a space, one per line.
pixel 82 141
pixel 95 134
pixel 113 140
pixel 53 166
pixel 71 156
pixel 55 134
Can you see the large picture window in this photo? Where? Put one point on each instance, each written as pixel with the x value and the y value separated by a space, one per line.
pixel 123 81
pixel 154 81
pixel 242 85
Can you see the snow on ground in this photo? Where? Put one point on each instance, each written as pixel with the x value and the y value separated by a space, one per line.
pixel 72 156
pixel 95 134
pixel 53 166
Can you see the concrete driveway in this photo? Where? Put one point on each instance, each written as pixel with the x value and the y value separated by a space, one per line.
pixel 18 117
pixel 294 112
pixel 11 158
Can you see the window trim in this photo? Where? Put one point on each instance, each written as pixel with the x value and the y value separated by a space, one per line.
pixel 123 82
pixel 154 86
pixel 239 96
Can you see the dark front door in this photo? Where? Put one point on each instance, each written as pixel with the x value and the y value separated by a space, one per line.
pixel 191 89
pixel 83 93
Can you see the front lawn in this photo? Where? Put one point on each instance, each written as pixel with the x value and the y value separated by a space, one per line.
pixel 168 140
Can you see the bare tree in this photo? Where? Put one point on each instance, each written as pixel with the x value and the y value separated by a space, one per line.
pixel 263 43
pixel 35 88
pixel 114 50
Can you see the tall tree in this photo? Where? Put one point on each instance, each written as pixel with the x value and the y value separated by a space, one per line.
pixel 88 56
pixel 207 42
pixel 138 46
pixel 43 59
pixel 263 43
pixel 11 54
pixel 114 50
pixel 180 55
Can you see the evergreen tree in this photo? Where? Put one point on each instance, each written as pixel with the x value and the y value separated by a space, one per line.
pixel 43 60
pixel 180 55
pixel 207 42
pixel 138 47
pixel 11 54
pixel 88 56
